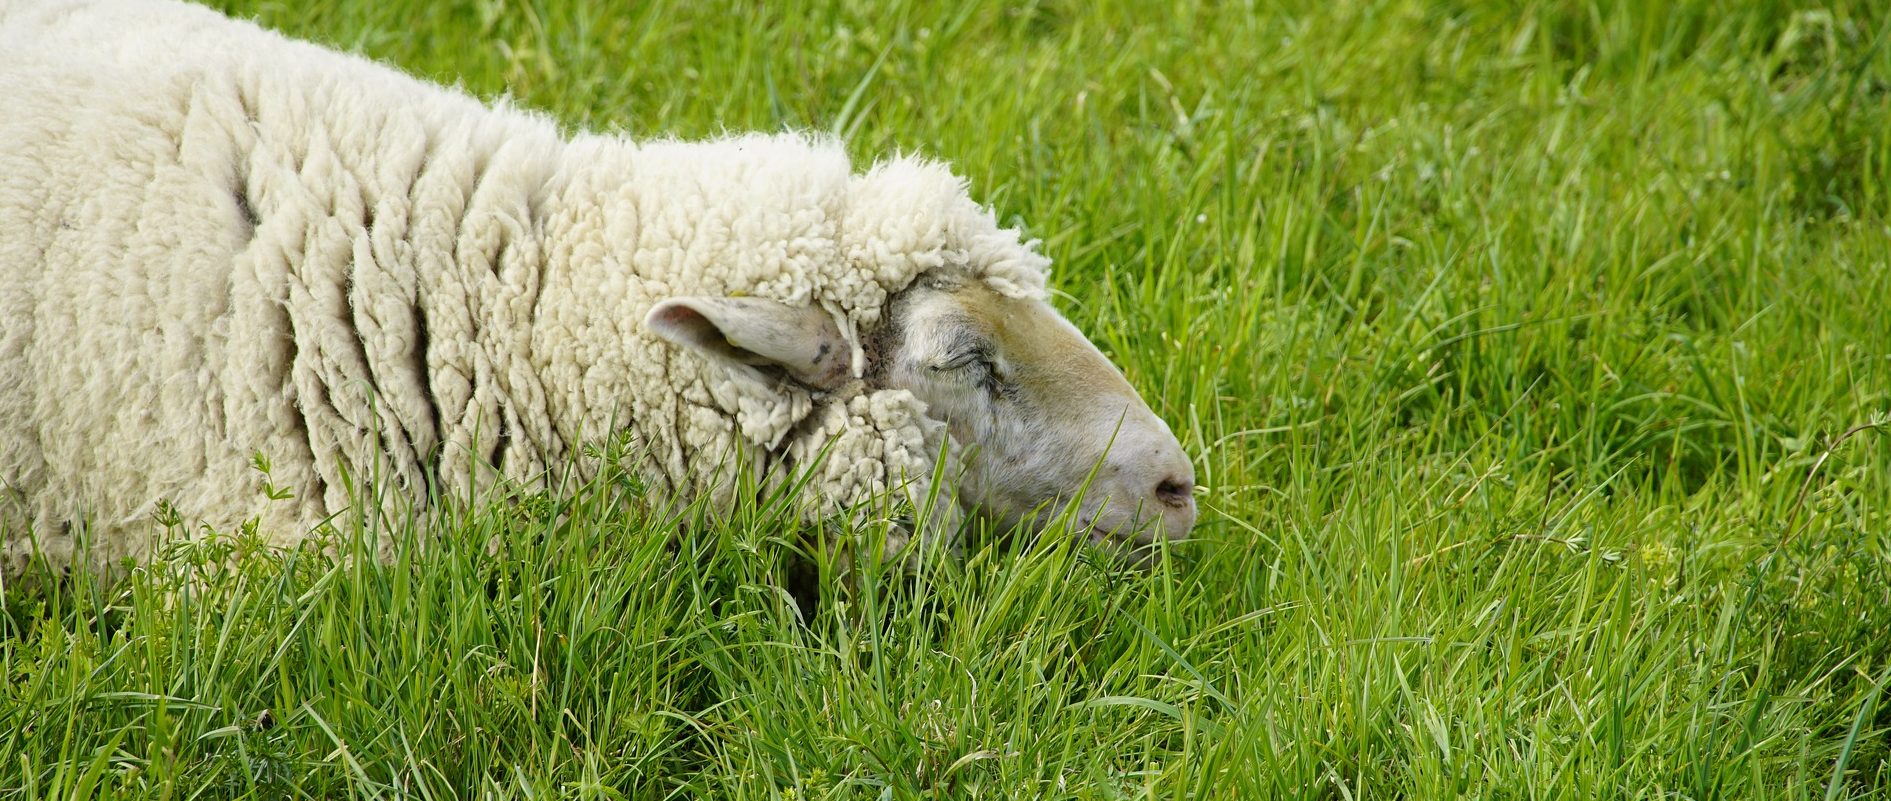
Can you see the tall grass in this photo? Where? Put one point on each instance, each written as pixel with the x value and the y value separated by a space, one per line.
pixel 1515 344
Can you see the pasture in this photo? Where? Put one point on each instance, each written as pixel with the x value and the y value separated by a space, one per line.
pixel 1534 358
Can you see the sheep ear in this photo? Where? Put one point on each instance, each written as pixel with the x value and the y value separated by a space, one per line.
pixel 802 341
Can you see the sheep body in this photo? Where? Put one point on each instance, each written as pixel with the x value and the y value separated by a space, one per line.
pixel 216 242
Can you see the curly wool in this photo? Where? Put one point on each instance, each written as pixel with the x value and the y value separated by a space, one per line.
pixel 216 242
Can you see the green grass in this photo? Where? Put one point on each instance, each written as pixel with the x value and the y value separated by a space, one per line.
pixel 1514 342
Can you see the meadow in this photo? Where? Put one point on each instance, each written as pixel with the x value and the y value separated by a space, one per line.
pixel 1534 358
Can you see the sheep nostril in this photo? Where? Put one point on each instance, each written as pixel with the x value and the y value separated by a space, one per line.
pixel 1174 493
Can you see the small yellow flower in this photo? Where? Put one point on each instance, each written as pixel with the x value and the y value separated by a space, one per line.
pixel 1660 562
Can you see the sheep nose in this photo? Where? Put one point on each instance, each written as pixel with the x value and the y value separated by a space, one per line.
pixel 1175 493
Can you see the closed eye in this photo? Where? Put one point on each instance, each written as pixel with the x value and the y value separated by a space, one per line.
pixel 978 367
pixel 965 350
pixel 963 361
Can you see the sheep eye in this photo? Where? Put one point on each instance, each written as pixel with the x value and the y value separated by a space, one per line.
pixel 980 359
pixel 978 367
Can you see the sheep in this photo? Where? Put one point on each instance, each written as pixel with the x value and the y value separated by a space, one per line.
pixel 218 243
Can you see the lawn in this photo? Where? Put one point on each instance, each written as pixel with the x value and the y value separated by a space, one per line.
pixel 1535 359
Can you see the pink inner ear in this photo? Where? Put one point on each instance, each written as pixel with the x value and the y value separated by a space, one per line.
pixel 680 323
pixel 678 316
pixel 684 325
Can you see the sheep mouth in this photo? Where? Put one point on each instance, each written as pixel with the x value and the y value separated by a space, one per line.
pixel 1131 537
pixel 1137 551
pixel 1136 531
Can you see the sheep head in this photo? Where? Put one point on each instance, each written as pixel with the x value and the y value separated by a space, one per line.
pixel 1041 419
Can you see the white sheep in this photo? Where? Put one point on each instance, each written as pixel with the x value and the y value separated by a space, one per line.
pixel 217 242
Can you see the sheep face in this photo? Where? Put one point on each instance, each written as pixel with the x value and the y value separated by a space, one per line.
pixel 1042 417
pixel 1046 418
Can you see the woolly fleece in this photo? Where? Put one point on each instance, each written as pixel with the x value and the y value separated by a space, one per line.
pixel 215 242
